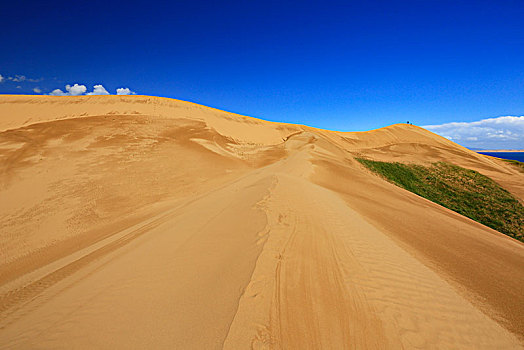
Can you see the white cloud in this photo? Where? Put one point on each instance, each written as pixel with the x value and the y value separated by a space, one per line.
pixel 491 133
pixel 124 91
pixel 37 90
pixel 20 78
pixel 74 90
pixel 57 92
pixel 98 90
pixel 77 89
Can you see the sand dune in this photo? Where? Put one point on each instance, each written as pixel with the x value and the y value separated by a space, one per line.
pixel 143 222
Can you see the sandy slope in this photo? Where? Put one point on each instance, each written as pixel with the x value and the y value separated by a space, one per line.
pixel 141 222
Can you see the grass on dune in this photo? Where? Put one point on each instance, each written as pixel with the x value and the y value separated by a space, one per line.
pixel 464 191
pixel 516 163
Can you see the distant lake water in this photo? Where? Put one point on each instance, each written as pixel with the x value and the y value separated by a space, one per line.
pixel 506 155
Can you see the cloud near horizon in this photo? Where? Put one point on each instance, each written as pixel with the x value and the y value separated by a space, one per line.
pixel 74 90
pixel 505 132
pixel 124 91
pixel 98 89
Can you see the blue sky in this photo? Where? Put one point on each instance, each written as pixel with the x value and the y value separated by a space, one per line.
pixel 343 65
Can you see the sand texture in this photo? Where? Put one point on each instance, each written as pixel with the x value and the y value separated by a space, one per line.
pixel 135 222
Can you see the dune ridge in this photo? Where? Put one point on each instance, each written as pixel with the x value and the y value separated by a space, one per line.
pixel 137 221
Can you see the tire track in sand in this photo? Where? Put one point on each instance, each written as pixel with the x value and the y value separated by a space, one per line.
pixel 298 297
pixel 328 279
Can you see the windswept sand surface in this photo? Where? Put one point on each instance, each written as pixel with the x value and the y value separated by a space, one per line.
pixel 141 222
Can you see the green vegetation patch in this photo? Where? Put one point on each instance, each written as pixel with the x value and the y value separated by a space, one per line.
pixel 464 191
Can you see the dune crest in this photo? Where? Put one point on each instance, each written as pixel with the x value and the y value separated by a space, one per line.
pixel 145 222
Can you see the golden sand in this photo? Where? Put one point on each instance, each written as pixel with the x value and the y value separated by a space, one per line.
pixel 143 222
